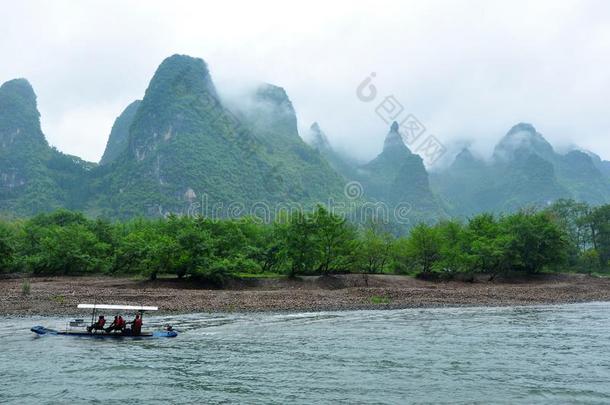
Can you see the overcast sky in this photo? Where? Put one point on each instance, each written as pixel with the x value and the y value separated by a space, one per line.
pixel 468 70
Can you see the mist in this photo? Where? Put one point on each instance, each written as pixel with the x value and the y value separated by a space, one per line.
pixel 467 73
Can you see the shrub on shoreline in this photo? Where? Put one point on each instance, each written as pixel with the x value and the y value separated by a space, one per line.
pixel 565 235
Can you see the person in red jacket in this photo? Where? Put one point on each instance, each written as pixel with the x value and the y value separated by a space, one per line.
pixel 99 325
pixel 114 325
pixel 136 325
pixel 121 324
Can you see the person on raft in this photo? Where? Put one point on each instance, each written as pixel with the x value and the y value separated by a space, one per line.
pixel 99 325
pixel 122 323
pixel 136 325
pixel 117 324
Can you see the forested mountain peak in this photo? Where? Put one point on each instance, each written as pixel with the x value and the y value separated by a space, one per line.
pixel 183 140
pixel 19 116
pixel 397 176
pixel 342 164
pixel 33 176
pixel 180 94
pixel 522 138
pixel 186 142
pixel 319 140
pixel 464 158
pixel 20 90
pixel 393 142
pixel 274 95
pixel 118 140
pixel 602 165
pixel 272 113
pixel 182 73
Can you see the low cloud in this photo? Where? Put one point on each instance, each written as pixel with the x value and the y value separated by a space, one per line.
pixel 467 70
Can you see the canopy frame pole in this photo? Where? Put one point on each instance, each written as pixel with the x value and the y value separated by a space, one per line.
pixel 93 313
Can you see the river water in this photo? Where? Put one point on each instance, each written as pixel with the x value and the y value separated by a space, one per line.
pixel 541 354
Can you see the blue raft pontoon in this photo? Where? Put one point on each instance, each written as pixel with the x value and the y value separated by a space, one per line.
pixel 79 329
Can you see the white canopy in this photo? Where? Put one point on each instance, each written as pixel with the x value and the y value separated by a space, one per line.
pixel 122 307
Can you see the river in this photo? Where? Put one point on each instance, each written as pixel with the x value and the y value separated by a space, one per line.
pixel 538 354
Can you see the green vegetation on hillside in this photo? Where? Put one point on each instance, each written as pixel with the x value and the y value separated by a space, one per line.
pixel 524 170
pixel 118 141
pixel 185 150
pixel 34 177
pixel 185 147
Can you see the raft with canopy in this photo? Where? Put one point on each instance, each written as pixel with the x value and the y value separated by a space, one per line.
pixel 79 328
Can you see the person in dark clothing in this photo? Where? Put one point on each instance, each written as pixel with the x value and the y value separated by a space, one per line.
pixel 99 325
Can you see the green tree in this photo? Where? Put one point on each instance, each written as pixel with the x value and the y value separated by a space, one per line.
pixel 70 249
pixel 589 261
pixel 535 241
pixel 598 222
pixel 7 248
pixel 375 249
pixel 195 250
pixel 488 246
pixel 455 256
pixel 421 250
pixel 147 251
pixel 300 246
pixel 264 244
pixel 571 216
pixel 335 239
pixel 61 217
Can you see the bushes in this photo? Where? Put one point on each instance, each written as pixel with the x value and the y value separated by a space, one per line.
pixel 64 243
pixel 315 242
pixel 522 242
pixel 7 248
pixel 374 252
pixel 420 251
pixel 26 287
pixel 588 262
pixel 216 274
pixel 534 241
pixel 55 249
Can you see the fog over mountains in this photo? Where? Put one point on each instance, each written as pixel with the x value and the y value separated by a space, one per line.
pixel 183 144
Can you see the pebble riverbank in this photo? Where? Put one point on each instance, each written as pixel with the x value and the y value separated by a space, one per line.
pixel 60 295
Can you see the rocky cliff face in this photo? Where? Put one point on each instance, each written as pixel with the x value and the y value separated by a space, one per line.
pixel 185 144
pixel 118 141
pixel 33 176
pixel 343 165
pixel 397 176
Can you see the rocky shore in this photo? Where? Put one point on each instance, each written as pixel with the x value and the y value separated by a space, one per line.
pixel 60 295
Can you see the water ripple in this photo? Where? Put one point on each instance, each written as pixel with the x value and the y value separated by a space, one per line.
pixel 535 354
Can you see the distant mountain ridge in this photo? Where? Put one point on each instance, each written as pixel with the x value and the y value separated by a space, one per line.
pixel 182 146
pixel 178 146
pixel 524 170
pixel 396 177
